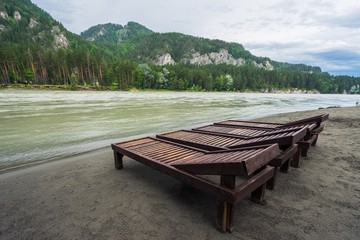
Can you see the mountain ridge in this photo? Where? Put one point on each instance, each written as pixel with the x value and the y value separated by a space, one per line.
pixel 37 49
pixel 173 47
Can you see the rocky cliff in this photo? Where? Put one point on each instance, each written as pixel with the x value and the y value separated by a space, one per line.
pixel 221 57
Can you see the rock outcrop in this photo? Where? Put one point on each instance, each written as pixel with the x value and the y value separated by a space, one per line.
pixel 266 66
pixel 17 16
pixel 2 28
pixel 221 57
pixel 198 59
pixel 165 60
pixel 4 15
pixel 33 23
pixel 60 40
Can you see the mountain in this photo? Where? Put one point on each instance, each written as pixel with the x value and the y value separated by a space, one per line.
pixel 111 33
pixel 172 48
pixel 37 49
pixel 23 22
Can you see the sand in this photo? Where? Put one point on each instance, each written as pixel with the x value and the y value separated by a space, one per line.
pixel 85 197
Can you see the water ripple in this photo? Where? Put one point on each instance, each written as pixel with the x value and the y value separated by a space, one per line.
pixel 45 125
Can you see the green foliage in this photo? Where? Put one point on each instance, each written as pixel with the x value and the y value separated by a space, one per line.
pixel 114 33
pixel 121 58
pixel 73 82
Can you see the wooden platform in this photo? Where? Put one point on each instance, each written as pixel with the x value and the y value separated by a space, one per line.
pixel 186 164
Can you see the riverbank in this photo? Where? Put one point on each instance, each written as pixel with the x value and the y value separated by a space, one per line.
pixel 116 88
pixel 85 197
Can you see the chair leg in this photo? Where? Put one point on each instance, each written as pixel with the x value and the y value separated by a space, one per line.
pixel 118 158
pixel 304 151
pixel 296 158
pixel 285 168
pixel 258 195
pixel 271 183
pixel 314 143
pixel 226 210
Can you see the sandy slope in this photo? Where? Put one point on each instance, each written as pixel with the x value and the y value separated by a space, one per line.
pixel 84 197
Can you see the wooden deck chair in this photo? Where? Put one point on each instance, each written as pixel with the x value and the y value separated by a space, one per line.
pixel 268 125
pixel 190 165
pixel 215 141
pixel 247 132
pixel 309 140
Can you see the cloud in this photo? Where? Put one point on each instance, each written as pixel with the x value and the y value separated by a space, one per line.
pixel 65 11
pixel 315 32
pixel 339 60
pixel 331 59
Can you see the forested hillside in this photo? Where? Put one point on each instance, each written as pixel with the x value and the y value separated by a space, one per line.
pixel 36 49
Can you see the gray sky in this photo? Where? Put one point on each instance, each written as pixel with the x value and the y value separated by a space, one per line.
pixel 323 33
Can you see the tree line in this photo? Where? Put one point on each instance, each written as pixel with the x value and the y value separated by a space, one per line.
pixel 31 64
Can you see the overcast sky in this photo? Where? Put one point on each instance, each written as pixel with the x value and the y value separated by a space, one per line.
pixel 323 33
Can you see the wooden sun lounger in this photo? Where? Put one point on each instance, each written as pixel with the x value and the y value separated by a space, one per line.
pixel 186 164
pixel 215 141
pixel 267 125
pixel 309 140
pixel 246 132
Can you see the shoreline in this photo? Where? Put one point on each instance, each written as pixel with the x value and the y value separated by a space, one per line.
pixel 85 197
pixel 45 161
pixel 113 88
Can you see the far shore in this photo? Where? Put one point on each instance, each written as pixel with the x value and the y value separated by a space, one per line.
pixel 66 87
pixel 85 197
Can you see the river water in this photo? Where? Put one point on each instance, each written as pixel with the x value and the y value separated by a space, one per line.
pixel 47 125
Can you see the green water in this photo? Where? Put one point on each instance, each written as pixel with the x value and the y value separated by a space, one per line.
pixel 46 125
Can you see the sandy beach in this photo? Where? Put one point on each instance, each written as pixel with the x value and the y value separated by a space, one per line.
pixel 85 197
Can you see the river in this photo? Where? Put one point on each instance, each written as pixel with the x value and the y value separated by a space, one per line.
pixel 46 125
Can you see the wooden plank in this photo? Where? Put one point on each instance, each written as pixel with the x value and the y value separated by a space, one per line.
pixel 246 188
pixel 317 130
pixel 253 124
pixel 188 143
pixel 261 159
pixel 305 145
pixel 220 165
pixel 284 156
pixel 315 119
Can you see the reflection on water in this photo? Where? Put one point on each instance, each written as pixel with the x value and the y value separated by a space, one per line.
pixel 43 125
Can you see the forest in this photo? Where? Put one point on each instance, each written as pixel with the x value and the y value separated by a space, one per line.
pixel 82 66
pixel 123 59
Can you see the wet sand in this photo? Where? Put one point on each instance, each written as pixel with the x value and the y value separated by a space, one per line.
pixel 85 197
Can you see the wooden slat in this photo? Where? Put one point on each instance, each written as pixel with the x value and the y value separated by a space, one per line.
pixel 229 164
pixel 249 124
